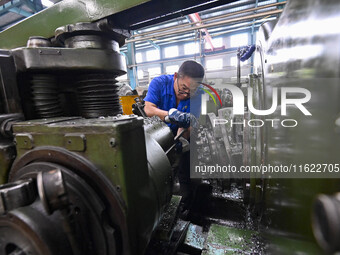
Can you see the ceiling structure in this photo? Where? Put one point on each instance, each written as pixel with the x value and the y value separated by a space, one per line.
pixel 13 11
pixel 178 30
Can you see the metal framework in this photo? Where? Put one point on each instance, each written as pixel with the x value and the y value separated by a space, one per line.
pixel 234 18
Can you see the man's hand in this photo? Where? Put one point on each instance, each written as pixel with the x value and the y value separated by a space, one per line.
pixel 182 119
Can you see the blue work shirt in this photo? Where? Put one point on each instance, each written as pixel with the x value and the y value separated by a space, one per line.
pixel 161 93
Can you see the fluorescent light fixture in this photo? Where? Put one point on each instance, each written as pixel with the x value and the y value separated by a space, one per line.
pixel 46 3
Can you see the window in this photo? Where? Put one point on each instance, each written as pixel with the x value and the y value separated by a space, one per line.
pixel 233 61
pixel 191 48
pixel 140 74
pixel 171 69
pixel 152 55
pixel 217 42
pixel 122 78
pixel 154 71
pixel 239 40
pixel 171 52
pixel 214 64
pixel 139 57
pixel 46 3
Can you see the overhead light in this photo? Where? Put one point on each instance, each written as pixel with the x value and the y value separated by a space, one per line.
pixel 46 3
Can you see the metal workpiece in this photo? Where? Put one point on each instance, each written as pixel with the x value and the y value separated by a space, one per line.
pixel 160 173
pixel 162 134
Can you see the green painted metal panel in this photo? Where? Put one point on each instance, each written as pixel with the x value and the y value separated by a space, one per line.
pixel 66 12
pixel 118 148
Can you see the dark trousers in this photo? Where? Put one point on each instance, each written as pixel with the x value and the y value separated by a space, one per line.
pixel 186 188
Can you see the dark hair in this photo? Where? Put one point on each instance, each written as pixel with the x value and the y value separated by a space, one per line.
pixel 191 69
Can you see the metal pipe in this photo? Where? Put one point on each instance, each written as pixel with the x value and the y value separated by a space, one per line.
pixel 258 15
pixel 209 19
pixel 178 59
pixel 233 5
pixel 160 62
pixel 238 68
pixel 188 37
pixel 165 40
pixel 175 140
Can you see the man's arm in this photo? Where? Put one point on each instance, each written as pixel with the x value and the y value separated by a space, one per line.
pixel 186 134
pixel 152 110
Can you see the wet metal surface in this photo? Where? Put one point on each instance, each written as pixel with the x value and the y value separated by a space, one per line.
pixel 228 226
pixel 226 240
pixel 233 194
pixel 195 237
pixel 166 225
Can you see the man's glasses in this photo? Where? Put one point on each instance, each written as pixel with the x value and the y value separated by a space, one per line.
pixel 183 91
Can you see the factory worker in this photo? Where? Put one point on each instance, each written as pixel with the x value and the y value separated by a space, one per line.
pixel 174 97
pixel 176 100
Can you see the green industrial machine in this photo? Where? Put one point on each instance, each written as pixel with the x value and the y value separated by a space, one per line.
pixel 80 178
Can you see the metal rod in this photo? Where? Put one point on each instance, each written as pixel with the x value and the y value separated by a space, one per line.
pixel 178 59
pixel 238 68
pixel 258 15
pixel 187 38
pixel 175 140
pixel 166 41
pixel 209 19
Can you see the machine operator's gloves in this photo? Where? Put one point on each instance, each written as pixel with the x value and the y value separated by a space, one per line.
pixel 182 119
pixel 246 52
